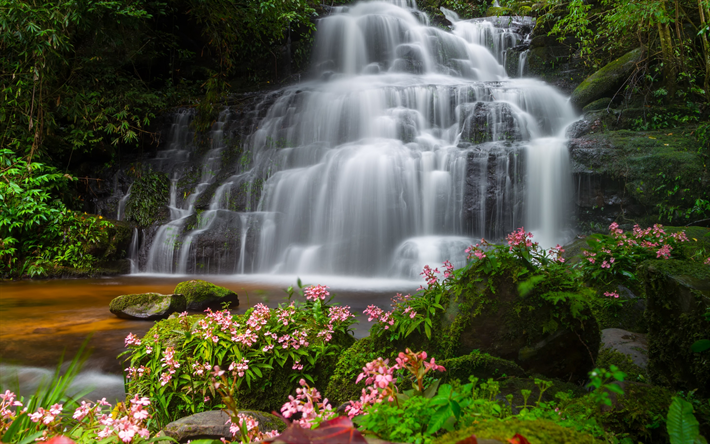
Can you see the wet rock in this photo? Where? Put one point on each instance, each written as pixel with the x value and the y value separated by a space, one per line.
pixel 147 306
pixel 633 345
pixel 606 81
pixel 200 295
pixel 213 425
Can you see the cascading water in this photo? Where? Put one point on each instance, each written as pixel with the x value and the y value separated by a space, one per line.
pixel 410 143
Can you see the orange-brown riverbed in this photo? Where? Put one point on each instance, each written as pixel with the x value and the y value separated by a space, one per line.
pixel 40 320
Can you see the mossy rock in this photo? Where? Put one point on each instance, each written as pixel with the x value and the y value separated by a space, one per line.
pixel 201 295
pixel 480 365
pixel 678 298
pixel 608 357
pixel 607 80
pixel 497 11
pixel 639 413
pixel 598 104
pixel 628 316
pixel 341 385
pixel 558 337
pixel 149 199
pixel 537 432
pixel 147 306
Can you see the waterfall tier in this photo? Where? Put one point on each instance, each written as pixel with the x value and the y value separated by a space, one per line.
pixel 409 143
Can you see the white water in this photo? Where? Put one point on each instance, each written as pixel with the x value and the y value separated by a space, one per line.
pixel 409 143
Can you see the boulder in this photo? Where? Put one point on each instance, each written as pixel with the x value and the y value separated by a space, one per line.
pixel 147 306
pixel 633 345
pixel 201 295
pixel 606 81
pixel 213 425
pixel 678 302
pixel 557 337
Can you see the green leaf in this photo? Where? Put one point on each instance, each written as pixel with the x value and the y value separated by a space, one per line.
pixel 700 346
pixel 438 419
pixel 682 426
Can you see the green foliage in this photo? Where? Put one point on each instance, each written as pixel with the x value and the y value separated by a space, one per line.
pixel 49 393
pixel 266 350
pixel 36 229
pixel 682 425
pixel 149 195
pixel 603 381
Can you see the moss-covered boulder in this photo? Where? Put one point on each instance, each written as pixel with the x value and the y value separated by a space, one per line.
pixel 479 365
pixel 678 300
pixel 640 413
pixel 548 331
pixel 606 81
pixel 201 295
pixel 147 306
pixel 341 385
pixel 608 357
pixel 537 432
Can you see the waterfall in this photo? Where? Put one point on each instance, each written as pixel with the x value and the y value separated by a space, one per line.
pixel 408 144
pixel 121 211
pixel 133 251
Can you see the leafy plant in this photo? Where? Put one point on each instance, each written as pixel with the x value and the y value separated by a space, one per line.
pixel 682 426
pixel 173 366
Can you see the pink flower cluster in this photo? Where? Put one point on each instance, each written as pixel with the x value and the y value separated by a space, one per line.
pixel 127 426
pixel 248 428
pixel 520 238
pixel 430 275
pixel 132 339
pixel 7 415
pixel 132 372
pixel 611 294
pixel 47 416
pixel 555 253
pixel 374 312
pixel 172 365
pixel 476 250
pixel 259 317
pixel 316 292
pixel 284 314
pixel 239 368
pixel 308 403
pixel 707 261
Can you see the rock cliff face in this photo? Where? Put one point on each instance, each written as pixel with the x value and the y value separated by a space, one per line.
pixel 633 176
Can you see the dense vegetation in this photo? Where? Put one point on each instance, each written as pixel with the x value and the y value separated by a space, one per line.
pixel 256 361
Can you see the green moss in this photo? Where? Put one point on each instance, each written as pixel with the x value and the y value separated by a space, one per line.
pixel 149 196
pixel 537 432
pixel 341 386
pixel 608 357
pixel 494 11
pixel 120 303
pixel 678 297
pixel 200 294
pixel 605 81
pixel 598 104
pixel 640 413
pixel 479 365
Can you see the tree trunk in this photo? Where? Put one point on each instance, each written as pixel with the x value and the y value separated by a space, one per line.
pixel 706 50
pixel 668 58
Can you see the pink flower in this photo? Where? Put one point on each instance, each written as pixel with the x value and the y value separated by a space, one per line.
pixel 707 261
pixel 132 339
pixel 605 264
pixel 307 402
pixel 612 294
pixel 373 312
pixel 665 252
pixel 316 292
